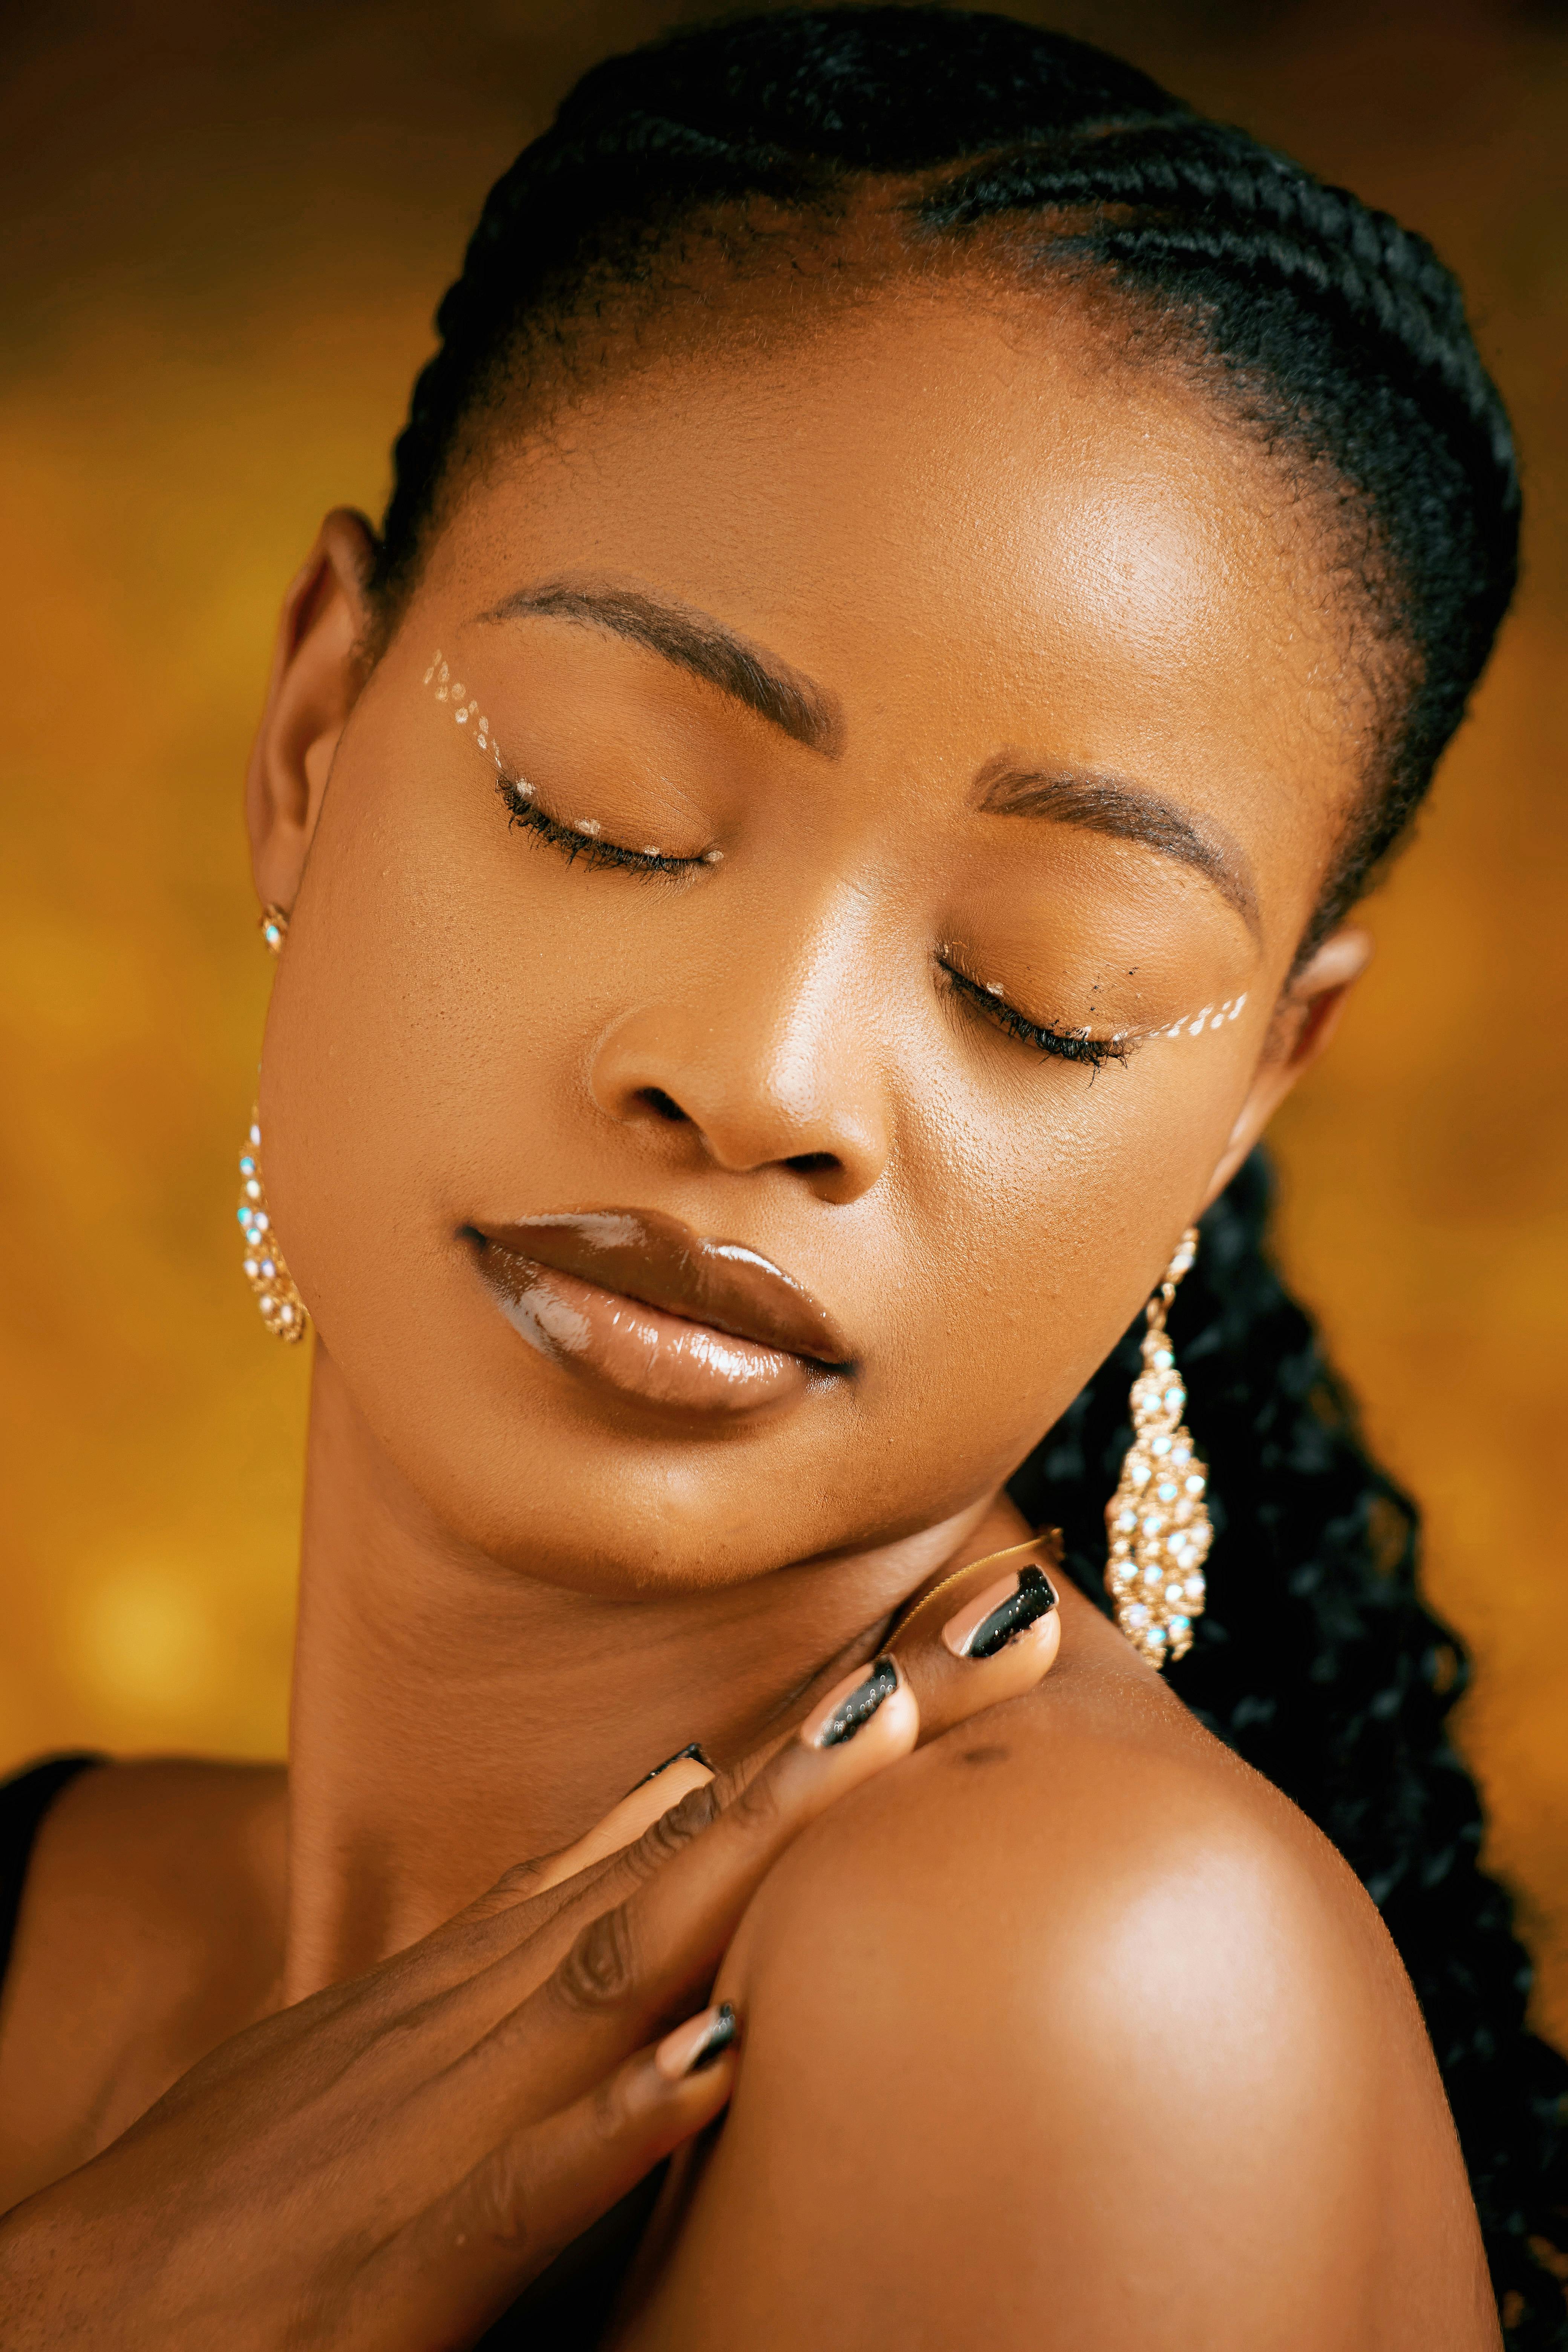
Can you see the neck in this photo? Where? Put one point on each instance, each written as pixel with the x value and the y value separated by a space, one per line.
pixel 452 1717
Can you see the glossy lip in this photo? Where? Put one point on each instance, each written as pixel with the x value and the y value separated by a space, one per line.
pixel 639 1300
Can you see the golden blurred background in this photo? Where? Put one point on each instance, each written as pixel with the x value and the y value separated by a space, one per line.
pixel 226 227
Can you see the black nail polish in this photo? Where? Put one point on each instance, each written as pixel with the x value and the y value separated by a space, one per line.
pixel 1034 1598
pixel 681 1756
pixel 717 2039
pixel 860 1706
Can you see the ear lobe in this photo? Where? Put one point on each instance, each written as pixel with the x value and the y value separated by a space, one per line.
pixel 317 670
pixel 1307 1016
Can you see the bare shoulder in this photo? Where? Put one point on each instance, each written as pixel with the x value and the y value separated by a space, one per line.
pixel 1070 2031
pixel 149 1926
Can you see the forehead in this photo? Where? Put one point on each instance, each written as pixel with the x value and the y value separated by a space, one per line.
pixel 979 520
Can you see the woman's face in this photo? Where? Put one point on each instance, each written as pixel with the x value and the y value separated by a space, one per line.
pixel 1023 776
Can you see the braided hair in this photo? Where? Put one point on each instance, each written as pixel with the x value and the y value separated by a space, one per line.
pixel 1338 338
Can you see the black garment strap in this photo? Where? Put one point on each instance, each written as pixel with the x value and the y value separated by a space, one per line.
pixel 24 1802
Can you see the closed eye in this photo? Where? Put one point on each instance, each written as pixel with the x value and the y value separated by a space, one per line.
pixel 574 841
pixel 1061 1045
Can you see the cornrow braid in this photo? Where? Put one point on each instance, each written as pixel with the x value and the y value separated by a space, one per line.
pixel 1350 338
pixel 1317 1661
pixel 562 207
pixel 1342 339
pixel 782 106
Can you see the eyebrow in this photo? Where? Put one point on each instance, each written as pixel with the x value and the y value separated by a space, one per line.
pixel 1006 786
pixel 696 642
pixel 1123 811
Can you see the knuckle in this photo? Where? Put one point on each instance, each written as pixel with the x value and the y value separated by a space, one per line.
pixel 664 1838
pixel 760 1804
pixel 513 1887
pixel 600 1969
pixel 499 2207
pixel 611 2113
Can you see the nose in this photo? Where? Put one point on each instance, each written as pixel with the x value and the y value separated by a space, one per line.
pixel 766 1060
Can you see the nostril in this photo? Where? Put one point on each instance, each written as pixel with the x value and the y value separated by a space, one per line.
pixel 814 1163
pixel 665 1105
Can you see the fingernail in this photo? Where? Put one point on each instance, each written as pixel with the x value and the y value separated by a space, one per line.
pixel 693 1753
pixel 851 1705
pixel 1000 1613
pixel 697 2044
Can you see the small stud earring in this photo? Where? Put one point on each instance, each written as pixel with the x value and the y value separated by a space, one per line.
pixel 274 927
pixel 1158 1524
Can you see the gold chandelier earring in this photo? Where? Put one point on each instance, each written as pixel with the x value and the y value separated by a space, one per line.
pixel 1158 1524
pixel 272 1285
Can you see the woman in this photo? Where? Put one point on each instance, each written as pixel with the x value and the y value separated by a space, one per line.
pixel 922 583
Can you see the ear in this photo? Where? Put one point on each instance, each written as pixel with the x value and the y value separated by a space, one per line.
pixel 318 668
pixel 1308 1015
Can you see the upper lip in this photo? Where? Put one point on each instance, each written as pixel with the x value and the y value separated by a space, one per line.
pixel 643 1254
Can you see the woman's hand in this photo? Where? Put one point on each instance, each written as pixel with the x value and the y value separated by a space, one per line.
pixel 386 2166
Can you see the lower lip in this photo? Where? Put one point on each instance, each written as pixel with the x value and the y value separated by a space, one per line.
pixel 643 1351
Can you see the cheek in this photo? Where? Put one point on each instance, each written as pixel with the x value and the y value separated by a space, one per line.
pixel 421 1032
pixel 1046 1210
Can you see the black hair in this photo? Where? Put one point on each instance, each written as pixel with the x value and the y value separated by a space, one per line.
pixel 1318 1661
pixel 1338 337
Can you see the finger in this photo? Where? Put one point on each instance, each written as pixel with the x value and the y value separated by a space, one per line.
pixel 986 1633
pixel 424 2010
pixel 455 2269
pixel 624 1970
pixel 989 1632
pixel 626 1822
pixel 956 1665
pixel 1015 1655
pixel 526 1896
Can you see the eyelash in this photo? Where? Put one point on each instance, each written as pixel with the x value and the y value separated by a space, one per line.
pixel 594 850
pixel 1059 1045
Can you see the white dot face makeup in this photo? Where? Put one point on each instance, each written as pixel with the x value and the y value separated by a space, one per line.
pixel 1211 1017
pixel 466 713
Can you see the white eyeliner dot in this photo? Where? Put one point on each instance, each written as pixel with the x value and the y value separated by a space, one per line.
pixel 712 856
pixel 1217 1021
pixel 651 849
pixel 588 824
pixel 992 988
pixel 461 717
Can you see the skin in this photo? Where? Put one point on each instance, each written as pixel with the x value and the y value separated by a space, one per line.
pixel 1069 2031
